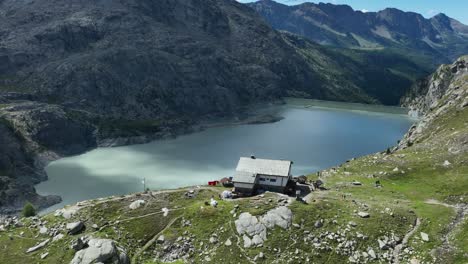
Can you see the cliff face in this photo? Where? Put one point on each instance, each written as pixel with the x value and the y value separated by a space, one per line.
pixel 441 95
pixel 31 135
pixel 427 93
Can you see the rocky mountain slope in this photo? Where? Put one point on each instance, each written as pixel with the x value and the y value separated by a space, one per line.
pixel 441 37
pixel 144 60
pixel 75 75
pixel 383 76
pixel 405 205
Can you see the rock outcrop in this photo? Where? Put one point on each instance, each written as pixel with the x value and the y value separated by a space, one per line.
pixel 50 127
pixel 443 91
pixel 101 251
pixel 18 171
pixel 254 230
pixel 31 135
pixel 426 94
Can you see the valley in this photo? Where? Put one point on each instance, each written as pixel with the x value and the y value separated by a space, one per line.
pixel 96 96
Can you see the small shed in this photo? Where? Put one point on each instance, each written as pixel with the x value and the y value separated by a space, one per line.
pixel 254 174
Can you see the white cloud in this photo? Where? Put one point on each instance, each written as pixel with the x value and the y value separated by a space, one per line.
pixel 432 12
pixel 364 10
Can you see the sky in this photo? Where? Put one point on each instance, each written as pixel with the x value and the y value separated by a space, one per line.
pixel 457 9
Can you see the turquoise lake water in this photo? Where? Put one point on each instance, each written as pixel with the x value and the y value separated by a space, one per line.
pixel 314 134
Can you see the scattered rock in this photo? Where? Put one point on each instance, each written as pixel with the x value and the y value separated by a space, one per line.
pixel 424 237
pixel 77 244
pixel 57 237
pixel 382 244
pixel 228 243
pixel 67 213
pixel 213 202
pixel 75 228
pixel 447 163
pixel 247 241
pixel 44 255
pixel 257 240
pixel 166 211
pixel 318 223
pixel 160 239
pixel 363 215
pixel 43 230
pixel 213 240
pixel 38 246
pixel 136 204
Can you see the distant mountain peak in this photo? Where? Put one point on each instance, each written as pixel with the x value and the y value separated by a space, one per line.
pixel 440 37
pixel 442 15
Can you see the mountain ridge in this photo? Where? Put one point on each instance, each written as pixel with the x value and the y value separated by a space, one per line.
pixel 341 26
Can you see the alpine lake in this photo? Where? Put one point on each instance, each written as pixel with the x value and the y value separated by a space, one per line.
pixel 313 134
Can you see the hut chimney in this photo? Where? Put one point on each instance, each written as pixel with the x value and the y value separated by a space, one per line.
pixel 252 157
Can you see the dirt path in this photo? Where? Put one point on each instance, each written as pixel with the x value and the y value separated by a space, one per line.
pixel 461 211
pixel 73 209
pixel 239 239
pixel 151 241
pixel 433 201
pixel 399 247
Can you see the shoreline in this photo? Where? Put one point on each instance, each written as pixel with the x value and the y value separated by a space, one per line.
pixel 259 114
pixel 266 113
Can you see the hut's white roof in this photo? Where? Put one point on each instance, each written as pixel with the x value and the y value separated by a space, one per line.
pixel 264 166
pixel 245 177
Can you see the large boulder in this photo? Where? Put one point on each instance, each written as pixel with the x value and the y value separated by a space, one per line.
pixel 249 224
pixel 136 204
pixel 75 228
pixel 254 230
pixel 280 216
pixel 101 250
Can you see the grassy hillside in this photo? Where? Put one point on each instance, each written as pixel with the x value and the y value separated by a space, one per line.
pixel 424 191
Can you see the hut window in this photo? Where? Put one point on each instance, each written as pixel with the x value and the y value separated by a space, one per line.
pixel 273 180
pixel 262 179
